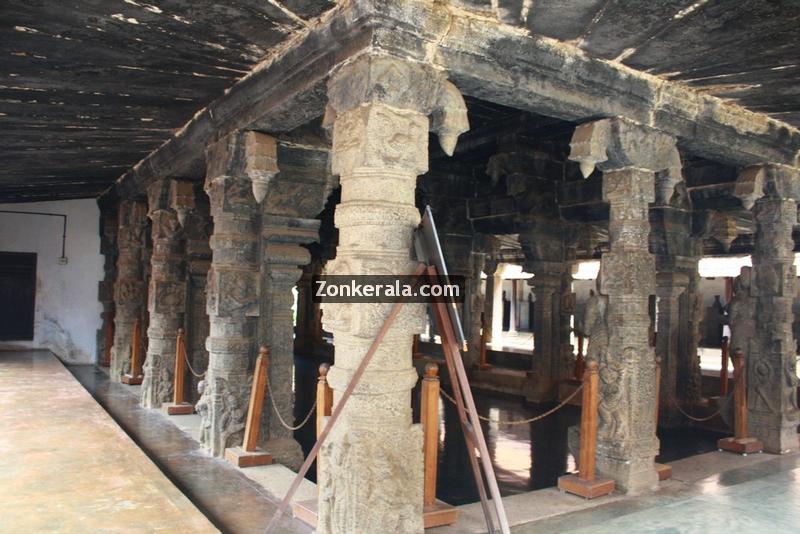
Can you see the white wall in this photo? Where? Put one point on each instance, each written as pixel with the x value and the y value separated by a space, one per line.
pixel 67 310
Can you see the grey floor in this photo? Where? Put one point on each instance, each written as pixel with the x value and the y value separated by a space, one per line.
pixel 762 498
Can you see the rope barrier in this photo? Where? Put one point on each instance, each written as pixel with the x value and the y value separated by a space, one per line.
pixel 189 365
pixel 523 421
pixel 688 416
pixel 280 417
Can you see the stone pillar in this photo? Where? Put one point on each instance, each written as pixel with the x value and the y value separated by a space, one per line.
pixel 490 266
pixel 197 230
pixel 166 296
pixel 105 288
pixel 542 244
pixel 677 251
pixel 474 302
pixel 497 307
pixel 129 290
pixel 379 108
pixel 232 291
pixel 293 197
pixel 629 156
pixel 771 192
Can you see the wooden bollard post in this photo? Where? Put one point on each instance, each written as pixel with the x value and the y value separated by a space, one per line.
pixel 135 376
pixel 324 402
pixel 664 471
pixel 723 371
pixel 179 406
pixel 579 363
pixel 584 483
pixel 740 443
pixel 248 455
pixel 435 513
pixel 429 418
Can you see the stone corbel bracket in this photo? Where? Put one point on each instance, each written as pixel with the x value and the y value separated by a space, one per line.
pixel 617 143
pixel 770 180
pixel 245 153
pixel 402 85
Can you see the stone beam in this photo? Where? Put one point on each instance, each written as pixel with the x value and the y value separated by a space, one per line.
pixel 505 64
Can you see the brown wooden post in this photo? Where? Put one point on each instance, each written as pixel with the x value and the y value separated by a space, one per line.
pixel 135 376
pixel 723 371
pixel 429 418
pixel 415 347
pixel 179 406
pixel 248 455
pixel 740 443
pixel 664 470
pixel 579 363
pixel 324 409
pixel 585 483
pixel 324 397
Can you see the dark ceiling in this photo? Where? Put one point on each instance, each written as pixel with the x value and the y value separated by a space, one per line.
pixel 89 87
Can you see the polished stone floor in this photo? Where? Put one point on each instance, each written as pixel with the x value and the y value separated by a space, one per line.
pixel 233 501
pixel 763 497
pixel 66 466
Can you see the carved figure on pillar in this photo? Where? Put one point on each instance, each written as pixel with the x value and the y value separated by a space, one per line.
pixel 129 290
pixel 231 290
pixel 629 155
pixel 379 108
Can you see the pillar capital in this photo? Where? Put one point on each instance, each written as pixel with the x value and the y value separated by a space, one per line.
pixel 244 154
pixel 770 180
pixel 617 143
pixel 403 85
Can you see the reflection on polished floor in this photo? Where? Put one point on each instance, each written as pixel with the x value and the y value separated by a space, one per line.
pixel 66 466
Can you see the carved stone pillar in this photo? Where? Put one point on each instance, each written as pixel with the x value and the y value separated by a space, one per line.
pixel 497 308
pixel 293 197
pixel 105 288
pixel 542 244
pixel 771 191
pixel 166 297
pixel 232 291
pixel 197 230
pixel 629 156
pixel 372 478
pixel 677 252
pixel 129 290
